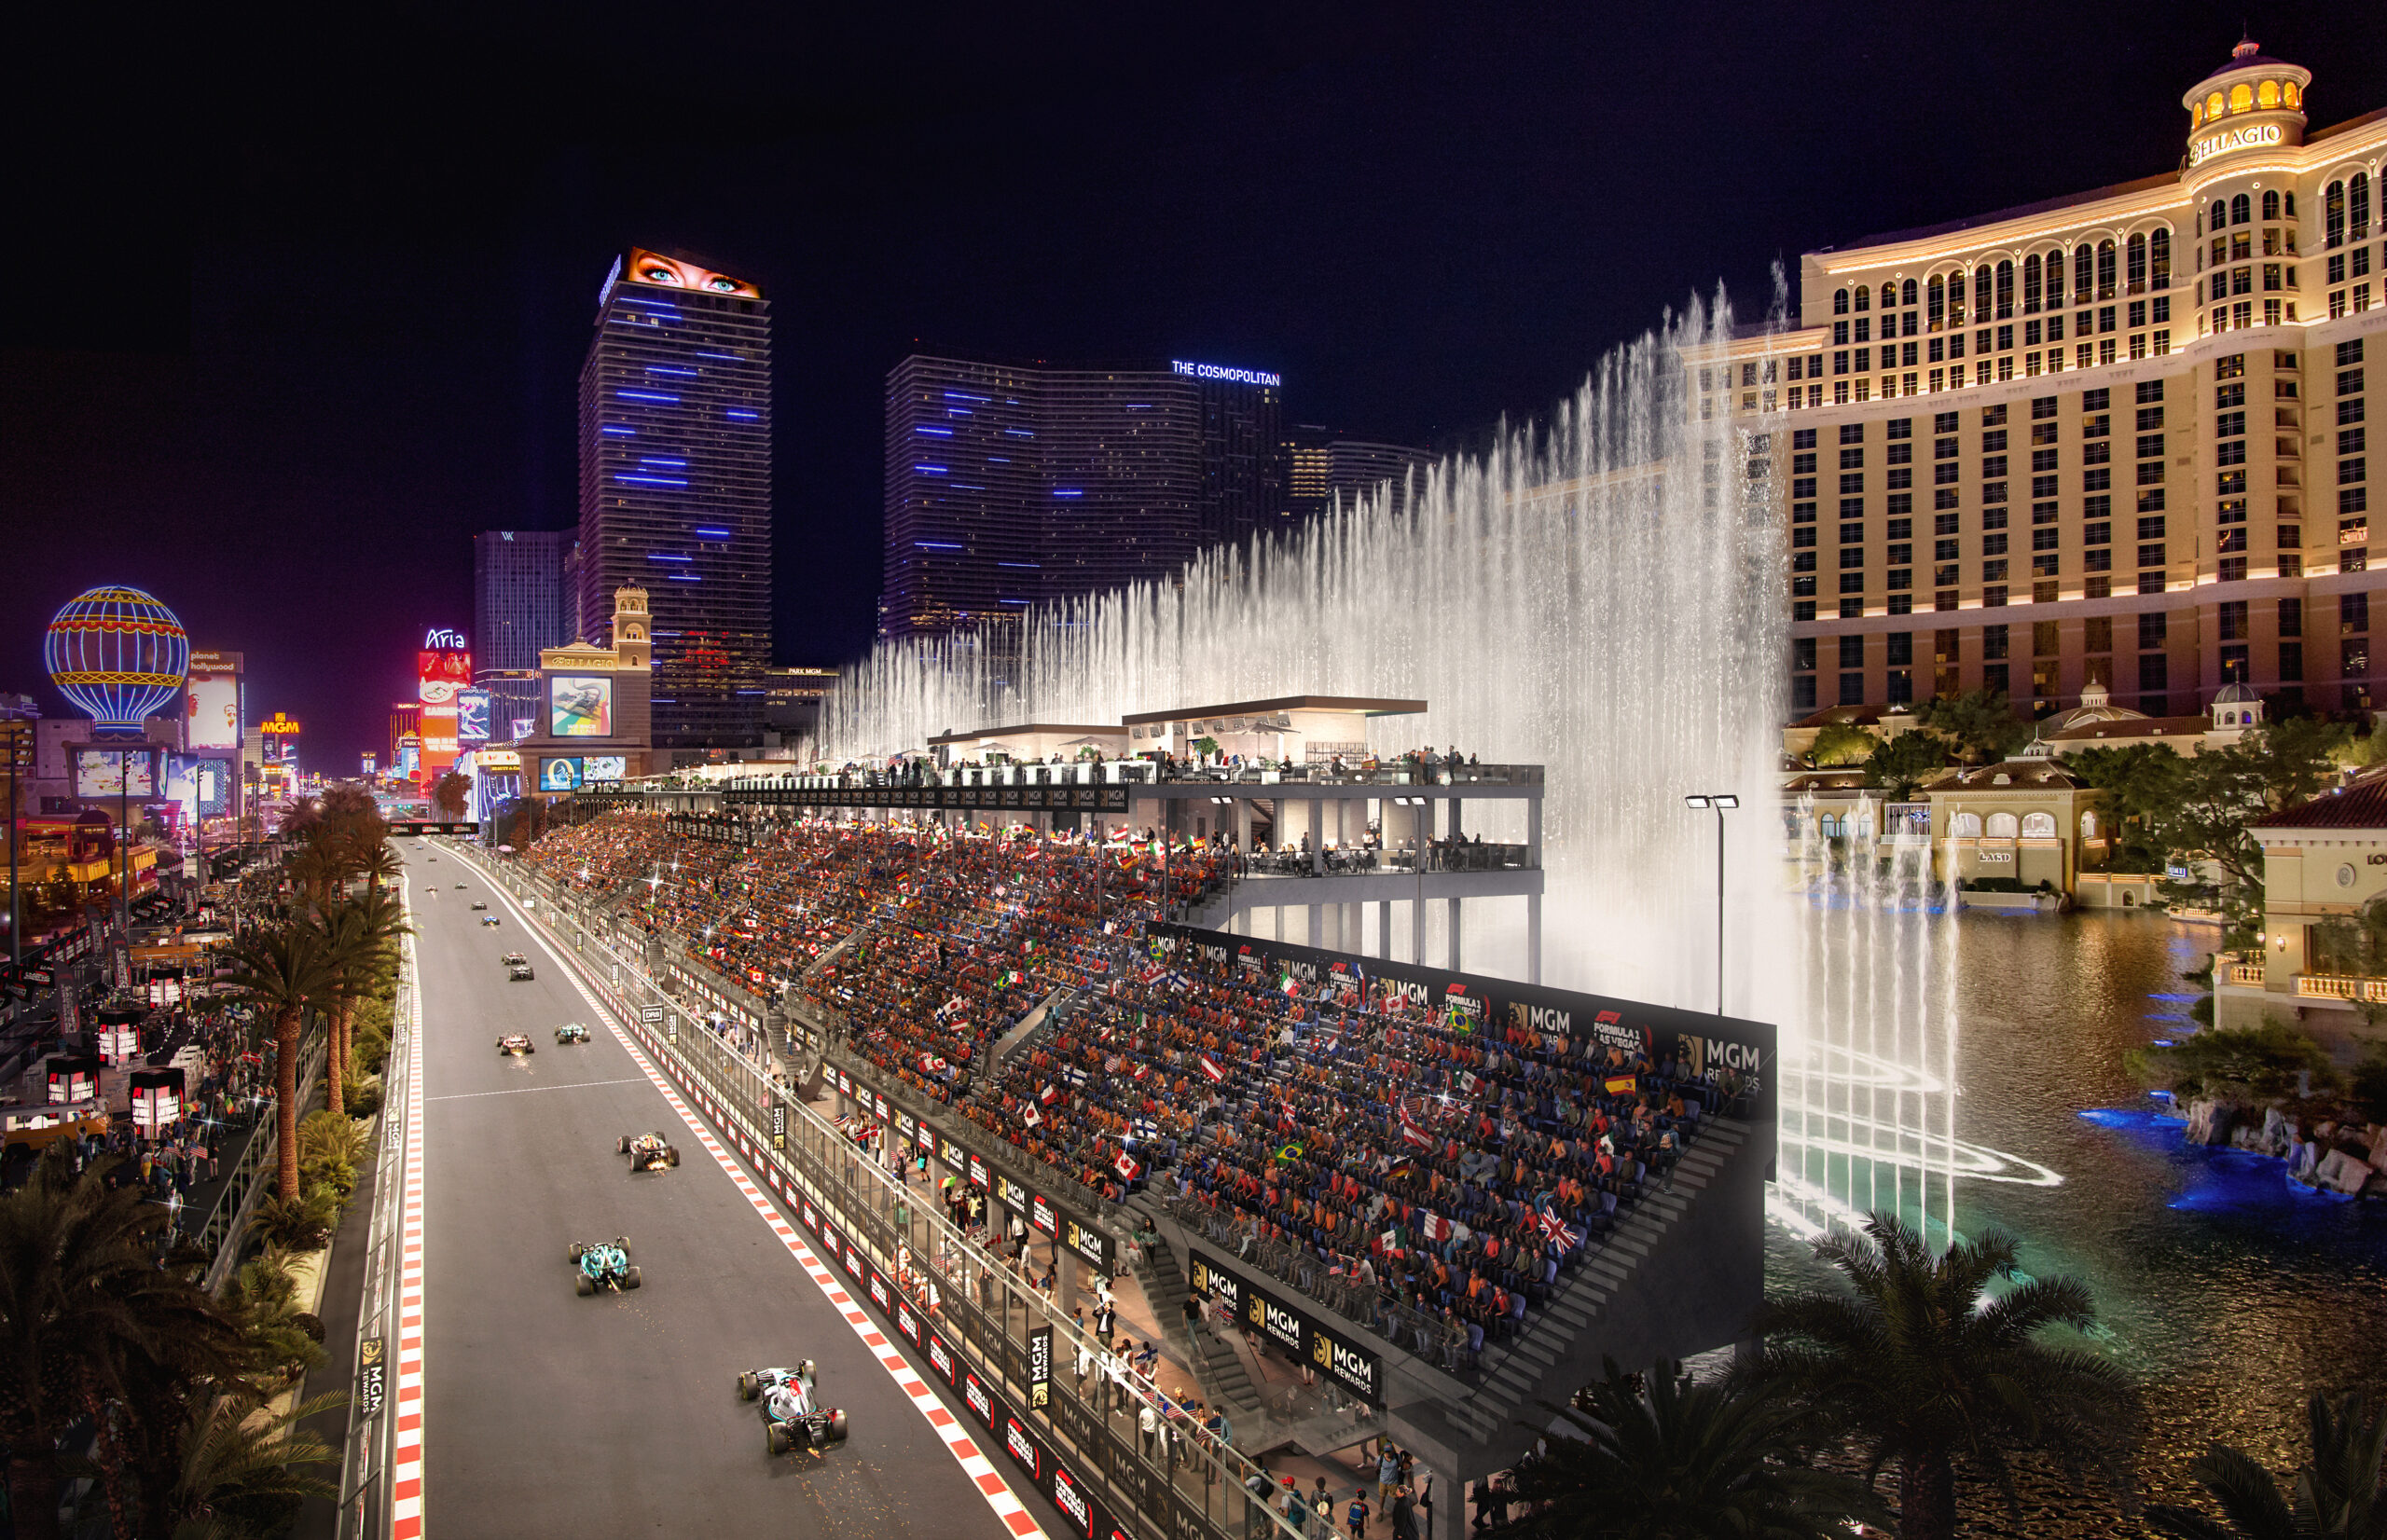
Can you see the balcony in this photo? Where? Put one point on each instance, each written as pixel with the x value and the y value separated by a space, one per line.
pixel 2246 973
pixel 2353 534
pixel 2328 987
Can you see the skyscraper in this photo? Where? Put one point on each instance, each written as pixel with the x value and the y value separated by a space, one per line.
pixel 1323 463
pixel 1007 485
pixel 675 486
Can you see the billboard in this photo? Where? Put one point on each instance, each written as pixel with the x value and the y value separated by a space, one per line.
pixel 605 767
pixel 523 727
pixel 645 267
pixel 409 761
pixel 559 774
pixel 443 667
pixel 278 736
pixel 213 702
pixel 472 716
pixel 580 706
pixel 202 786
pixel 115 772
pixel 439 735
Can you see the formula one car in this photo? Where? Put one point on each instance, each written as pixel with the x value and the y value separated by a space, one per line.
pixel 518 973
pixel 571 1032
pixel 517 1044
pixel 604 1264
pixel 477 905
pixel 488 920
pixel 648 1152
pixel 793 1415
pixel 460 885
pixel 513 959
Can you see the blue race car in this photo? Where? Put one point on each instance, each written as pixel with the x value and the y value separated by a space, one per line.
pixel 605 1265
pixel 793 1415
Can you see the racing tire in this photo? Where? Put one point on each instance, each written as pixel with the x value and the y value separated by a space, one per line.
pixel 749 1387
pixel 671 1155
pixel 624 1146
pixel 630 1277
pixel 808 1371
pixel 575 1252
pixel 837 1426
pixel 584 1286
pixel 775 1438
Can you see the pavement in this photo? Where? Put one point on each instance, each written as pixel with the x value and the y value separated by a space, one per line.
pixel 544 1412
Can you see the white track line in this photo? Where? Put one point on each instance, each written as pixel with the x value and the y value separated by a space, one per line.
pixel 526 1090
pixel 1008 1508
pixel 405 1447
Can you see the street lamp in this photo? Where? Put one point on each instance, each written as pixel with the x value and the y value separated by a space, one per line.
pixel 1722 802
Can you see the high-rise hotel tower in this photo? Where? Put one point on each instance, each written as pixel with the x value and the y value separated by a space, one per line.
pixel 675 486
pixel 2116 439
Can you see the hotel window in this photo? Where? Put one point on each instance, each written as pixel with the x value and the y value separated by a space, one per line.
pixel 1852 689
pixel 2099 533
pixel 2353 657
pixel 2358 205
pixel 2105 272
pixel 2153 671
pixel 1864 298
pixel 1935 303
pixel 2291 617
pixel 2291 660
pixel 2005 300
pixel 2031 287
pixel 2150 555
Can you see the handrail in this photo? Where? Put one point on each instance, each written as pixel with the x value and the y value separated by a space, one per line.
pixel 220 1234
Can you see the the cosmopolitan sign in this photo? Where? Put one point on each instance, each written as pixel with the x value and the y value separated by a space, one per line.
pixel 1220 371
pixel 2254 136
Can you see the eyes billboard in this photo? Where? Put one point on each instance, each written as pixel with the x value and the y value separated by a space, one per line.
pixel 580 706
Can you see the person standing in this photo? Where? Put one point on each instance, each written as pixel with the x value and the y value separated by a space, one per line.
pixel 1356 1516
pixel 1387 1473
pixel 1404 1516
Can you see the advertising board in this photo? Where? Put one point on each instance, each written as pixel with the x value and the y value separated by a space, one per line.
pixel 580 706
pixel 472 716
pixel 597 767
pixel 559 774
pixel 441 668
pixel 212 703
pixel 1339 1355
pixel 203 786
pixel 115 772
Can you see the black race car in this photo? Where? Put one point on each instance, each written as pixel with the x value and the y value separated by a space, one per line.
pixel 571 1032
pixel 605 1265
pixel 648 1152
pixel 488 919
pixel 517 1044
pixel 793 1415
pixel 518 973
pixel 477 905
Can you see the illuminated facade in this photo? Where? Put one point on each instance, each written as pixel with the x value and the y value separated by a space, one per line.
pixel 2117 438
pixel 675 487
pixel 1007 485
pixel 1322 465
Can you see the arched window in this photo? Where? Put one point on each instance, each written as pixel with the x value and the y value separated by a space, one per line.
pixel 2158 256
pixel 2089 825
pixel 2001 826
pixel 2105 270
pixel 2134 264
pixel 2038 826
pixel 2055 281
pixel 1839 302
pixel 1980 292
pixel 2333 215
pixel 1935 303
pixel 2268 94
pixel 2242 96
pixel 2084 272
pixel 1831 828
pixel 2242 208
pixel 1906 292
pixel 2212 106
pixel 1864 298
pixel 2270 205
pixel 2031 284
pixel 2291 93
pixel 2358 205
pixel 1964 826
pixel 2006 291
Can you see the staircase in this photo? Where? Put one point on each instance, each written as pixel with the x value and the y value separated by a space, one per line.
pixel 1225 1383
pixel 1009 1042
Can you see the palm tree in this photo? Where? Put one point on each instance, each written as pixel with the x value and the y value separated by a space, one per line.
pixel 1920 1368
pixel 370 925
pixel 87 1317
pixel 242 1477
pixel 282 970
pixel 315 871
pixel 1675 1460
pixel 2338 1494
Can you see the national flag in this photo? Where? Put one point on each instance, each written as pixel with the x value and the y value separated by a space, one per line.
pixel 1050 1094
pixel 1210 1067
pixel 1414 1134
pixel 1033 1117
pixel 1433 1227
pixel 1127 1166
pixel 1142 1070
pixel 1620 1085
pixel 1290 1153
pixel 931 1064
pixel 1466 1081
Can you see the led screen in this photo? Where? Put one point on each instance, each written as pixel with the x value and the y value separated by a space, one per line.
pixel 202 786
pixel 472 716
pixel 580 706
pixel 215 705
pixel 442 672
pixel 409 761
pixel 605 767
pixel 558 774
pixel 103 772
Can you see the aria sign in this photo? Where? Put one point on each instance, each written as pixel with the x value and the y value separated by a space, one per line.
pixel 1232 376
pixel 2254 136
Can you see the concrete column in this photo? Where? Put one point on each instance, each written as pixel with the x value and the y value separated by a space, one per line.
pixel 1354 930
pixel 1311 937
pixel 1533 937
pixel 1316 848
pixel 1065 1279
pixel 1384 931
pixel 1454 962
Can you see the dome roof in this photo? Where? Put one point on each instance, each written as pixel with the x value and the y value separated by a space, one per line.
pixel 2234 694
pixel 2249 55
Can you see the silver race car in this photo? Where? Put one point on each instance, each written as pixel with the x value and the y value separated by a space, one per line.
pixel 517 1044
pixel 793 1415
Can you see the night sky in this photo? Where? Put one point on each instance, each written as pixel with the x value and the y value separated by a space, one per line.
pixel 295 313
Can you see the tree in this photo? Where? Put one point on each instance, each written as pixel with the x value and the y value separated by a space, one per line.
pixel 1905 761
pixel 1922 1370
pixel 2337 1492
pixel 1981 723
pixel 299 816
pixel 2221 791
pixel 282 970
pixel 1840 743
pixel 448 794
pixel 242 1476
pixel 1662 1456
pixel 2142 783
pixel 2269 1060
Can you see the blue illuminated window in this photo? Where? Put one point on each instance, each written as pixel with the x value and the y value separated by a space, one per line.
pixel 1017 433
pixel 964 395
pixel 937 545
pixel 1032 565
pixel 666 556
pixel 932 470
pixel 662 460
pixel 741 415
pixel 713 534
pixel 1067 491
pixel 652 481
pixel 618 431
pixel 941 432
pixel 685 577
pixel 670 369
pixel 647 395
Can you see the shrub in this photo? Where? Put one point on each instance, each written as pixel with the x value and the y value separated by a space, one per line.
pixel 304 1223
pixel 327 1133
pixel 2250 1061
pixel 2368 1089
pixel 364 1097
pixel 328 1172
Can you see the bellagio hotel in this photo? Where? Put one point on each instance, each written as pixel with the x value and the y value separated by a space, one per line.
pixel 2118 437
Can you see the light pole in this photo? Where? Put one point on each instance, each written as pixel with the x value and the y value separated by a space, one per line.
pixel 1723 803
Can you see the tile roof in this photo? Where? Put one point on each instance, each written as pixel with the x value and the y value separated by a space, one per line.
pixel 2362 803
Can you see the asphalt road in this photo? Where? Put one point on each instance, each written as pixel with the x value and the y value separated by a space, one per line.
pixel 544 1412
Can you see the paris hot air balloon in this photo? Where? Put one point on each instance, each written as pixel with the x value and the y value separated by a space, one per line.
pixel 119 655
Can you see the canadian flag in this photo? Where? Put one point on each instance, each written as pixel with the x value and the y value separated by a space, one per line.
pixel 1129 1167
pixel 931 1063
pixel 1210 1067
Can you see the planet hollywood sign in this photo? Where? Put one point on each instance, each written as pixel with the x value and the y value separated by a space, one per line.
pixel 1704 1045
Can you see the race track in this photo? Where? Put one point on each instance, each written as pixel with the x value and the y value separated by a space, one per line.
pixel 544 1412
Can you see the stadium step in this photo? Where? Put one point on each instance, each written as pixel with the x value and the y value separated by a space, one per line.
pixel 1009 1042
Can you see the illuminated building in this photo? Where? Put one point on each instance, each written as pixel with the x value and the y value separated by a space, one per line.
pixel 2115 438
pixel 520 606
pixel 675 486
pixel 1322 464
pixel 1009 484
pixel 594 723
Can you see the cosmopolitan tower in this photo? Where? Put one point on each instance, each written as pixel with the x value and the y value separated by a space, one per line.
pixel 675 486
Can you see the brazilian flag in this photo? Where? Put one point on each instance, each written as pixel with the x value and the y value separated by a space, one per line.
pixel 1290 1153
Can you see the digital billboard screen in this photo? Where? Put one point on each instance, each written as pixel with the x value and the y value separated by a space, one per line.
pixel 203 786
pixel 605 767
pixel 559 774
pixel 115 772
pixel 409 761
pixel 472 716
pixel 213 701
pixel 580 706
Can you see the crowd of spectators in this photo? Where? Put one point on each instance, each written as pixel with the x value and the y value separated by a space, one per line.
pixel 1453 1164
